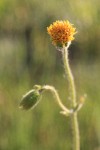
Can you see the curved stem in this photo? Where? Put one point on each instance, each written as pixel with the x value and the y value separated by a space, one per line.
pixel 74 121
pixel 56 95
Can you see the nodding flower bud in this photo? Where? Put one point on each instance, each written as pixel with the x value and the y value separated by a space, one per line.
pixel 30 99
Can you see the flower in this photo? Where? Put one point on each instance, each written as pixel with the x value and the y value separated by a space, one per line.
pixel 61 32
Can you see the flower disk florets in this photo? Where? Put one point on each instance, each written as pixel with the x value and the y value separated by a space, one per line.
pixel 61 32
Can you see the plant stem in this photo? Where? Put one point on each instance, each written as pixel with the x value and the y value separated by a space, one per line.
pixel 74 121
pixel 57 98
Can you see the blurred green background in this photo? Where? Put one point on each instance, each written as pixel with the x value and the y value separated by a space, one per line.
pixel 27 57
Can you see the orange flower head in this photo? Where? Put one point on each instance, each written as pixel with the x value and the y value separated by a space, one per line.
pixel 61 32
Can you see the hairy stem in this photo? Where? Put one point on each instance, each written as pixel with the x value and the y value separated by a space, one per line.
pixel 74 121
pixel 56 95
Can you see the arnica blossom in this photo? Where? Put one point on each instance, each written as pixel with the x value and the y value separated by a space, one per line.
pixel 61 32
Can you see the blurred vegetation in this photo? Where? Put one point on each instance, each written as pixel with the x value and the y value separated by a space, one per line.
pixel 27 57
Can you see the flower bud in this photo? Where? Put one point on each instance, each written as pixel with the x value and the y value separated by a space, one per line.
pixel 30 99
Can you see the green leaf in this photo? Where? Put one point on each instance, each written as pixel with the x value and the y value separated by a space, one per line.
pixel 30 100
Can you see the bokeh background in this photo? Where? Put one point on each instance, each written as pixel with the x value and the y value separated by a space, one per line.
pixel 27 57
